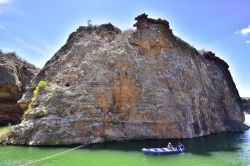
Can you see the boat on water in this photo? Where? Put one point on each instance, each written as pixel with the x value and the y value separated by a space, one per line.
pixel 162 150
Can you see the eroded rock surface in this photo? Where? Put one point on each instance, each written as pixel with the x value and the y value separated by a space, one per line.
pixel 105 85
pixel 15 75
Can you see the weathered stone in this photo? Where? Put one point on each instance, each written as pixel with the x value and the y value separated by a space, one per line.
pixel 15 75
pixel 105 85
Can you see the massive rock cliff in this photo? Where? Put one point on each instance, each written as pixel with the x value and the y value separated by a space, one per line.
pixel 105 85
pixel 15 75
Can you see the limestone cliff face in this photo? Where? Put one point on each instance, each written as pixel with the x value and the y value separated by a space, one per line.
pixel 15 75
pixel 105 85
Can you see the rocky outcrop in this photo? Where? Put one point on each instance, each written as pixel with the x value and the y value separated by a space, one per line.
pixel 246 104
pixel 15 75
pixel 105 85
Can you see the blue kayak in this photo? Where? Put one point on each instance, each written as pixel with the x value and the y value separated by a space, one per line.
pixel 162 150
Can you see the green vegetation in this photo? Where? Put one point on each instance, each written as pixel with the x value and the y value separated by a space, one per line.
pixel 4 132
pixel 245 104
pixel 39 86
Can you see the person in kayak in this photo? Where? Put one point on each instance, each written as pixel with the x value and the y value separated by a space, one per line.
pixel 170 146
pixel 180 146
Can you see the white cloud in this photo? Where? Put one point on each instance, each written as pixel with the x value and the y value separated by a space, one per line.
pixel 248 41
pixel 5 1
pixel 244 31
pixel 30 46
pixel 46 45
pixel 43 44
pixel 3 27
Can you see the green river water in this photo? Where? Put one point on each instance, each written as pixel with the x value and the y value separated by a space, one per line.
pixel 220 149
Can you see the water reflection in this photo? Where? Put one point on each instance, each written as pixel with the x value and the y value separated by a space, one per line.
pixel 227 142
pixel 201 146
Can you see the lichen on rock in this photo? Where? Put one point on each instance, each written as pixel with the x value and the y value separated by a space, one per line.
pixel 107 86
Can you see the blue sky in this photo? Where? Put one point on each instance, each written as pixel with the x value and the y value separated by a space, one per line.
pixel 36 29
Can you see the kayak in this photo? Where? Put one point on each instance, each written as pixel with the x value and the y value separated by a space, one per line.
pixel 162 150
